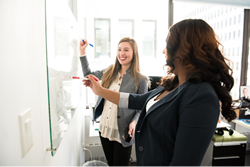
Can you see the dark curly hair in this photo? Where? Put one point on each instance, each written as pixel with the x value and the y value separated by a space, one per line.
pixel 196 42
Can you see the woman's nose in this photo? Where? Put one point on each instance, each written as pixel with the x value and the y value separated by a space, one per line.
pixel 122 52
pixel 164 51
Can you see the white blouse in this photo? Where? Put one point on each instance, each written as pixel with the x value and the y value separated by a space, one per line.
pixel 151 102
pixel 108 122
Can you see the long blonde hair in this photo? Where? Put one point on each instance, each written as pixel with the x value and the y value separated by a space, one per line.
pixel 114 68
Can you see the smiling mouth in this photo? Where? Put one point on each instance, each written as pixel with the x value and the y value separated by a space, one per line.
pixel 122 58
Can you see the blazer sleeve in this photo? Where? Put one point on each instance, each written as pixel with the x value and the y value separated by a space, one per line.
pixel 133 101
pixel 142 88
pixel 86 69
pixel 198 118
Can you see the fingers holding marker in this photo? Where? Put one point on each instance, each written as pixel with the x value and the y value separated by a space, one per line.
pixel 92 77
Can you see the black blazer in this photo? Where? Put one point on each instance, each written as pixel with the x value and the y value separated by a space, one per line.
pixel 178 128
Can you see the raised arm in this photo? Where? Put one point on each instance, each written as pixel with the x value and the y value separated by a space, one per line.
pixel 127 100
pixel 84 61
pixel 96 87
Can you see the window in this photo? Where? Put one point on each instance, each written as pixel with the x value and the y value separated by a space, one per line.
pixel 239 33
pixel 229 36
pixel 126 28
pixel 234 20
pixel 225 36
pixel 148 38
pixel 221 24
pixel 230 21
pixel 233 52
pixel 239 19
pixel 104 29
pixel 102 38
pixel 226 23
pixel 234 35
pixel 237 66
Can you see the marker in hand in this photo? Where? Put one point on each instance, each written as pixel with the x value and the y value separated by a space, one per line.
pixel 89 43
pixel 82 78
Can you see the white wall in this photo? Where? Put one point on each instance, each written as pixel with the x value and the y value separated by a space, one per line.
pixel 24 85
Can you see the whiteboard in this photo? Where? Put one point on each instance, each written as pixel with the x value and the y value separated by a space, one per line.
pixel 64 94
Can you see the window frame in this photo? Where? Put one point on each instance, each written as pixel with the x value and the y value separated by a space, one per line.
pixel 133 25
pixel 155 36
pixel 109 31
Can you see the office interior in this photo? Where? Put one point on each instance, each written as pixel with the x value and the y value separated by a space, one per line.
pixel 30 93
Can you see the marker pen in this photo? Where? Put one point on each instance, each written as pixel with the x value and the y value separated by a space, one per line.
pixel 82 78
pixel 89 43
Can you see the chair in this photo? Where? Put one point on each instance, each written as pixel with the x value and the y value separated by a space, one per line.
pixel 154 80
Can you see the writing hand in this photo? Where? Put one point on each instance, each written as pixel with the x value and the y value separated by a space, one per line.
pixel 83 46
pixel 93 83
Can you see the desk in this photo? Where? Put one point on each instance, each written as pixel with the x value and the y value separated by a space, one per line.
pixel 239 122
pixel 226 150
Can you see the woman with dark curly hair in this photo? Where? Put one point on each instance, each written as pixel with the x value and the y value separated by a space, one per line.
pixel 179 118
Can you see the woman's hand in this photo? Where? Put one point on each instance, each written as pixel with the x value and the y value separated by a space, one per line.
pixel 83 46
pixel 132 126
pixel 131 131
pixel 93 83
pixel 96 87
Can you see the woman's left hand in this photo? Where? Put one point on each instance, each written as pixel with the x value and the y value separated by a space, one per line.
pixel 132 126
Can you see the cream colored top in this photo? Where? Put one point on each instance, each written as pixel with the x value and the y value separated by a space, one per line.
pixel 108 122
pixel 151 102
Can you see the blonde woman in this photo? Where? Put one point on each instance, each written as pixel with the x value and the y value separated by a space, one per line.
pixel 122 76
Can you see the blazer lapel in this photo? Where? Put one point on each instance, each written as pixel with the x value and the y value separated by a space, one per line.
pixel 167 98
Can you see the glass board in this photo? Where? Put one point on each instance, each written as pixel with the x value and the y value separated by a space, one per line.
pixel 64 93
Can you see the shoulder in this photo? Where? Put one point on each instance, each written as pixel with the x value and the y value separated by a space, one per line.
pixel 202 86
pixel 201 89
pixel 142 79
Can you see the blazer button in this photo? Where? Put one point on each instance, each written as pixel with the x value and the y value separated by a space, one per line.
pixel 118 117
pixel 140 148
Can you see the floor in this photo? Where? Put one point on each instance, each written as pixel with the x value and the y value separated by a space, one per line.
pixel 247 159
